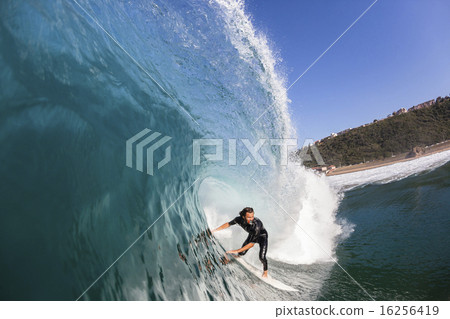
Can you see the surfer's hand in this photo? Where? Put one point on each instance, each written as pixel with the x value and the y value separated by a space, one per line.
pixel 224 260
pixel 231 252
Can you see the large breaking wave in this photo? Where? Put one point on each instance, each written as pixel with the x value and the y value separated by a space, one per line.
pixel 72 94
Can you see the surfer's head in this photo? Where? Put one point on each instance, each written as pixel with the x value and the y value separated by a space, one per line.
pixel 248 214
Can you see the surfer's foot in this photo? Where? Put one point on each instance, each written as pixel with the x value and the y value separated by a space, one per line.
pixel 264 274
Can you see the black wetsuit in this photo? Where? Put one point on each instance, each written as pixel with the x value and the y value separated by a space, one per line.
pixel 256 234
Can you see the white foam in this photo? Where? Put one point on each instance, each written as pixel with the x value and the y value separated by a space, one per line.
pixel 296 206
pixel 307 231
pixel 389 173
pixel 298 212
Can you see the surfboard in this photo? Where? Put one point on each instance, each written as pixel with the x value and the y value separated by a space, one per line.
pixel 269 280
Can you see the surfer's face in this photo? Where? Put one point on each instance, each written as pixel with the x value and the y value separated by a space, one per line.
pixel 249 217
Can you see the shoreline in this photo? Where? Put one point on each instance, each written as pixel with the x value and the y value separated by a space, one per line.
pixel 428 150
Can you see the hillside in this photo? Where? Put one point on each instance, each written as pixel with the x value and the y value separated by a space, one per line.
pixel 391 136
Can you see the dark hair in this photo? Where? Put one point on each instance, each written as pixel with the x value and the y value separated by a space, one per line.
pixel 245 211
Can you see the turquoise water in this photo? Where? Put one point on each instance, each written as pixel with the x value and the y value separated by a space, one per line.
pixel 70 98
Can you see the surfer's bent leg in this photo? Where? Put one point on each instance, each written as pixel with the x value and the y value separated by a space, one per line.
pixel 242 253
pixel 263 243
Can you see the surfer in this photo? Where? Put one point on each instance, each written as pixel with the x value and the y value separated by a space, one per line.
pixel 256 234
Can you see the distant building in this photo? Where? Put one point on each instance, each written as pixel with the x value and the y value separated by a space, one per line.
pixel 401 111
pixel 422 105
pixel 333 134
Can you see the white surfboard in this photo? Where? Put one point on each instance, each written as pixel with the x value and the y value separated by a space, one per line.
pixel 269 280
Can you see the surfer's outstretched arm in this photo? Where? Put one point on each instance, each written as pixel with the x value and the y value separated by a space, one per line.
pixel 237 251
pixel 226 225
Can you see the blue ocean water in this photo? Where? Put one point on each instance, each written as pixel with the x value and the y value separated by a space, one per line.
pixel 399 249
pixel 79 78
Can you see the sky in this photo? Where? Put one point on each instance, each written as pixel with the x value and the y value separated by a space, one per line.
pixel 397 55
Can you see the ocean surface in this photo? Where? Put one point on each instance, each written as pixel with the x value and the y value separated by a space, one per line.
pixel 80 78
pixel 399 248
